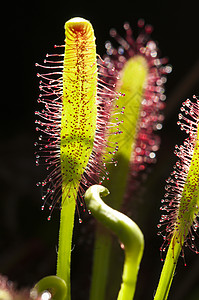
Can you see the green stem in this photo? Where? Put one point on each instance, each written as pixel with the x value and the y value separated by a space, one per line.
pixel 65 242
pixel 102 253
pixel 168 270
pixel 128 233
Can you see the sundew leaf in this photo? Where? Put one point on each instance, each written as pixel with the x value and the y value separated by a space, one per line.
pixel 141 75
pixel 181 202
pixel 79 109
pixel 73 123
pixel 132 80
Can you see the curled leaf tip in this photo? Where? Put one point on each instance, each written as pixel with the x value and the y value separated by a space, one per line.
pixel 77 24
pixel 53 285
pixel 96 190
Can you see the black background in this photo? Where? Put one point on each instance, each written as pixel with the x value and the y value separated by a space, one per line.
pixel 28 241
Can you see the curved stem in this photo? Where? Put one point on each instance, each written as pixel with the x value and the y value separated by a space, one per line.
pixel 128 233
pixel 55 285
pixel 168 270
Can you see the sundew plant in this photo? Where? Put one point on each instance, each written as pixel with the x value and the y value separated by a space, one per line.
pixel 97 136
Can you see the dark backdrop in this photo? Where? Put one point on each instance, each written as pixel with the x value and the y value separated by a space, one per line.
pixel 29 30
